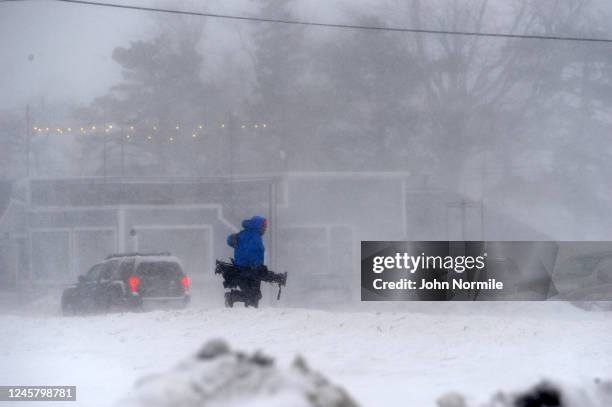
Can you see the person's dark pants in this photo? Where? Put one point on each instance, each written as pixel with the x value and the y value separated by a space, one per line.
pixel 251 290
pixel 248 282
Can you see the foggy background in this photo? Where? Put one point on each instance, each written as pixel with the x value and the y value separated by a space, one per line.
pixel 516 128
pixel 126 130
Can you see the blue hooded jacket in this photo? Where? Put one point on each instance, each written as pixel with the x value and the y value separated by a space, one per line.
pixel 248 245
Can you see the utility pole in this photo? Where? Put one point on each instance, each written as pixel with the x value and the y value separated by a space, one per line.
pixel 122 152
pixel 483 195
pixel 104 153
pixel 462 204
pixel 230 127
pixel 28 139
pixel 273 212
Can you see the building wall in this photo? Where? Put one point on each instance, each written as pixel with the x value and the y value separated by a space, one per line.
pixel 66 241
pixel 317 222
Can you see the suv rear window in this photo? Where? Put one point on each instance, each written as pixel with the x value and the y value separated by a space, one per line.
pixel 167 268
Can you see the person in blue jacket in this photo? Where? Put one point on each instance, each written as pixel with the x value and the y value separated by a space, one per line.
pixel 249 254
pixel 248 245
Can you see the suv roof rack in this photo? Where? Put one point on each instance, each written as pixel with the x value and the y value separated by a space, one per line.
pixel 114 256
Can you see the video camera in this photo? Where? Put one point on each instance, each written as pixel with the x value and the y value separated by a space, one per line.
pixel 232 275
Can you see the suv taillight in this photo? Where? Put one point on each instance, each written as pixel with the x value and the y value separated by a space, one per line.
pixel 133 282
pixel 185 282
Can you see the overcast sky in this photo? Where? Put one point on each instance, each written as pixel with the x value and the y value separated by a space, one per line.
pixel 60 52
pixel 71 45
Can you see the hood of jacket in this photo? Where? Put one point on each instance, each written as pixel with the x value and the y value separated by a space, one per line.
pixel 254 223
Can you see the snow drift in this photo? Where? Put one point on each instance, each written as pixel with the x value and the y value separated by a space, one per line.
pixel 544 394
pixel 218 376
pixel 386 354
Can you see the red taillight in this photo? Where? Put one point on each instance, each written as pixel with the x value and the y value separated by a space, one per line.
pixel 185 282
pixel 133 282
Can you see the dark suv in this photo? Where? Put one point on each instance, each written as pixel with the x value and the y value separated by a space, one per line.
pixel 127 281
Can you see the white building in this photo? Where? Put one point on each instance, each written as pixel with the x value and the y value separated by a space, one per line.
pixel 55 229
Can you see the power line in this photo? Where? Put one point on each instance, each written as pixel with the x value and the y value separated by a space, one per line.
pixel 345 26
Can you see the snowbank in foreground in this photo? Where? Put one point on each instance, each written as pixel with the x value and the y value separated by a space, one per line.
pixel 544 394
pixel 218 376
pixel 383 358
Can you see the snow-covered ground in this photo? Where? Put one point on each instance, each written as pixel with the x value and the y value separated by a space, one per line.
pixel 382 358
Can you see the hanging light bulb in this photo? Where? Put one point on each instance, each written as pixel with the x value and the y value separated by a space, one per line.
pixel 264 125
pixel 69 129
pixel 154 127
pixel 200 126
pixel 131 127
pixel 178 127
pixel 194 135
pixel 244 126
pixel 149 137
pixel 222 125
pixel 171 139
pixel 256 126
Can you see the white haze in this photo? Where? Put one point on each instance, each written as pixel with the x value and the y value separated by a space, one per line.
pixel 515 125
pixel 371 135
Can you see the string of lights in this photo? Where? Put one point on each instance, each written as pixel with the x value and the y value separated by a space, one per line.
pixel 148 133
